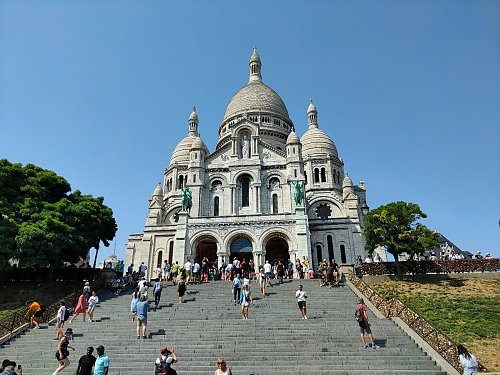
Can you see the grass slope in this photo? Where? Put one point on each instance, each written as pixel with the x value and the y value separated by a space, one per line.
pixel 468 311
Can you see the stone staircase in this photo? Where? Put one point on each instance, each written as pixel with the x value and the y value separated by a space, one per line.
pixel 273 341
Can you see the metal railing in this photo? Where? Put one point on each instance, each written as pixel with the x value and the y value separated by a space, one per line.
pixel 394 307
pixel 17 321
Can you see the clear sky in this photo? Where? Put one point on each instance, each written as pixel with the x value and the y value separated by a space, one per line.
pixel 100 92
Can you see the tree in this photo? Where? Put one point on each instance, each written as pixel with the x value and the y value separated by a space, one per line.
pixel 42 222
pixel 394 227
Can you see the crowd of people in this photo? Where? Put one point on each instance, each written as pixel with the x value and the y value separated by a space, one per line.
pixel 238 273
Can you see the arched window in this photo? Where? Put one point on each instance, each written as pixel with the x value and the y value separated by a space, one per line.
pixel 245 192
pixel 334 176
pixel 330 247
pixel 275 203
pixel 160 257
pixel 305 177
pixel 338 177
pixel 295 173
pixel 319 253
pixel 181 181
pixel 194 178
pixel 323 175
pixel 216 206
pixel 171 252
pixel 316 175
pixel 343 257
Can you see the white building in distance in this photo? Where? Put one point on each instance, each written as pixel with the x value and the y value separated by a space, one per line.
pixel 243 201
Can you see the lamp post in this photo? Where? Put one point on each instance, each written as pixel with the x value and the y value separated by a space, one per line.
pixel 365 209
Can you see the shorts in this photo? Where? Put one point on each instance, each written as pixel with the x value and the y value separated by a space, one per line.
pixel 364 327
pixel 59 320
pixel 38 314
pixel 141 320
pixel 302 304
pixel 269 274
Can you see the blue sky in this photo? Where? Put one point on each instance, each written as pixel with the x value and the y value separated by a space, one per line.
pixel 100 92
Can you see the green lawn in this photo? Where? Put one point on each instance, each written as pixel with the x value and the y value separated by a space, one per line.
pixel 468 311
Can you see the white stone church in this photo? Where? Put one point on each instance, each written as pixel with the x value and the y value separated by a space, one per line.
pixel 242 193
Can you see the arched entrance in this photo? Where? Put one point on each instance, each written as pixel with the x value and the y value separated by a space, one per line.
pixel 277 249
pixel 206 247
pixel 242 248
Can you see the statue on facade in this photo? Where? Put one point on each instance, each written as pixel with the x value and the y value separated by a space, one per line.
pixel 245 147
pixel 298 194
pixel 187 200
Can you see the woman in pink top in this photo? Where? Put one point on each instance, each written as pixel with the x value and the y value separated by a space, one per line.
pixel 81 308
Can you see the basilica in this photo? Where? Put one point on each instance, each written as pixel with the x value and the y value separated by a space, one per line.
pixel 243 196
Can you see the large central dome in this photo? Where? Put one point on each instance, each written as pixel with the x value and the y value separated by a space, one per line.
pixel 256 96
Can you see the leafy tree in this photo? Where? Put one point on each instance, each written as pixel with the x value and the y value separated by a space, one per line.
pixel 42 222
pixel 394 227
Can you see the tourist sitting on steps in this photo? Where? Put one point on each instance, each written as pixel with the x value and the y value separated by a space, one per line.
pixel 222 368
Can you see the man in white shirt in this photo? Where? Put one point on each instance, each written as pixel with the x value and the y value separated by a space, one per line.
pixel 188 266
pixel 301 300
pixel 196 272
pixel 142 269
pixel 269 274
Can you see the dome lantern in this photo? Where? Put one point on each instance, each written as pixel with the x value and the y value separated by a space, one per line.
pixel 193 122
pixel 255 66
pixel 312 115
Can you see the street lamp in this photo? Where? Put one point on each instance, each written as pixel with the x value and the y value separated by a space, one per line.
pixel 364 208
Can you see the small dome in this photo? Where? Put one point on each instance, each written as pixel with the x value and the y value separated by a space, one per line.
pixel 315 142
pixel 255 56
pixel 311 108
pixel 158 190
pixel 193 116
pixel 292 138
pixel 198 144
pixel 181 151
pixel 347 183
pixel 256 96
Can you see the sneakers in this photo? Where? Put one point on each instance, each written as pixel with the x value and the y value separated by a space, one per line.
pixel 305 316
pixel 375 346
pixel 144 337
pixel 36 327
pixel 138 337
pixel 367 346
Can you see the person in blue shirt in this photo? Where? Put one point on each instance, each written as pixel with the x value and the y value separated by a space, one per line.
pixel 142 316
pixel 101 365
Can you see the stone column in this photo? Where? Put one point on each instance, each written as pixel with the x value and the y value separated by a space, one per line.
pixel 181 239
pixel 303 234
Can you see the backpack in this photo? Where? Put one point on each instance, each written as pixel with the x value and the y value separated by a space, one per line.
pixel 164 368
pixel 358 316
pixel 42 308
pixel 66 314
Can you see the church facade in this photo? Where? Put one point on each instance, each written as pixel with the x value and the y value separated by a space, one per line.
pixel 245 196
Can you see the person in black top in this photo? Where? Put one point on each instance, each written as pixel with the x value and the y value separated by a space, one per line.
pixel 86 363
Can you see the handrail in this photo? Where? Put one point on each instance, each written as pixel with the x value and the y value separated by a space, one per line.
pixel 12 323
pixel 394 307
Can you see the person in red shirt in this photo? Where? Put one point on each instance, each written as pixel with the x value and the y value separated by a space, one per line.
pixel 364 325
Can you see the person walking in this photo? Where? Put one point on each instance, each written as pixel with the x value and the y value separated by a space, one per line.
pixel 245 300
pixel 236 288
pixel 174 271
pixel 62 353
pixel 301 300
pixel 93 301
pixel 262 282
pixel 364 324
pixel 222 368
pixel 181 290
pixel 133 303
pixel 102 362
pixel 34 312
pixel 269 274
pixel 86 363
pixel 87 290
pixel 157 288
pixel 467 360
pixel 61 314
pixel 142 317
pixel 163 364
pixel 81 308
pixel 166 270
